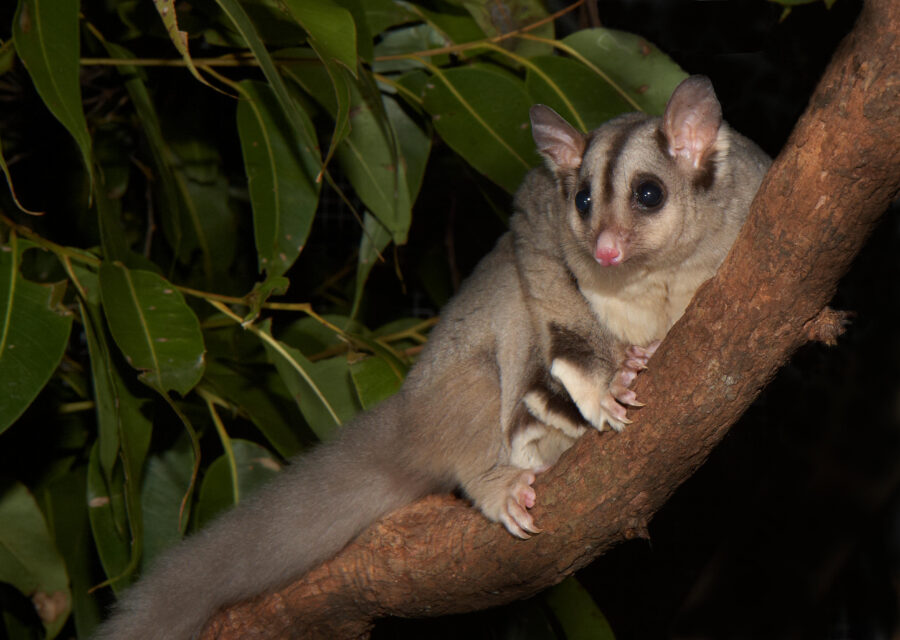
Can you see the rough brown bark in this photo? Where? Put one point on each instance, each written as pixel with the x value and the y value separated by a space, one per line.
pixel 836 175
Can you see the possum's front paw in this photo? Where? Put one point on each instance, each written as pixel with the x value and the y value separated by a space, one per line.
pixel 635 361
pixel 504 494
pixel 608 407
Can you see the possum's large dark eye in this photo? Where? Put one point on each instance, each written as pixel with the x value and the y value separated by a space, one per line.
pixel 583 201
pixel 649 194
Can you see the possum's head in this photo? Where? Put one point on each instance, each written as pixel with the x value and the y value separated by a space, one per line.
pixel 641 190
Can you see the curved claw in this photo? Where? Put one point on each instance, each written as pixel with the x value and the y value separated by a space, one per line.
pixel 514 515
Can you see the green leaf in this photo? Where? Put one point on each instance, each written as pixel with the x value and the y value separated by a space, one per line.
pixel 372 155
pixel 636 69
pixel 413 142
pixel 123 437
pixel 255 392
pixel 70 527
pixel 255 467
pixel 370 159
pixel 576 612
pixel 406 40
pixel 454 27
pixel 109 523
pixel 33 336
pixel 171 208
pixel 498 18
pixel 153 326
pixel 46 36
pixel 581 97
pixel 482 113
pixel 375 380
pixel 212 224
pixel 323 390
pixel 332 35
pixel 179 38
pixel 166 480
pixel 294 114
pixel 332 32
pixel 29 560
pixel 281 178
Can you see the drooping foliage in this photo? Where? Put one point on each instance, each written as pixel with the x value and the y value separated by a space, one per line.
pixel 169 330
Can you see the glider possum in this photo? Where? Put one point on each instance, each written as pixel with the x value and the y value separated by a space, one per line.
pixel 608 243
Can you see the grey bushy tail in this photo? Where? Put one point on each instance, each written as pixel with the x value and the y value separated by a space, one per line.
pixel 317 505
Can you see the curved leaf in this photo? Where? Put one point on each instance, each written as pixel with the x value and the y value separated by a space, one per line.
pixel 375 380
pixel 573 91
pixel 124 437
pixel 332 32
pixel 634 66
pixel 482 114
pixel 255 467
pixel 70 527
pixel 323 390
pixel 179 38
pixel 262 396
pixel 109 523
pixel 29 560
pixel 576 612
pixel 372 157
pixel 33 336
pixel 497 18
pixel 153 326
pixel 292 111
pixel 46 36
pixel 281 177
pixel 167 478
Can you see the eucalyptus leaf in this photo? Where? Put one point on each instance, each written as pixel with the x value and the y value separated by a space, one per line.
pixel 281 179
pixel 46 37
pixel 635 68
pixel 259 394
pixel 165 482
pixel 212 223
pixel 109 523
pixel 497 19
pixel 576 612
pixel 179 38
pixel 295 115
pixel 371 160
pixel 482 113
pixel 375 380
pixel 581 97
pixel 153 326
pixel 172 208
pixel 29 560
pixel 332 32
pixel 70 527
pixel 255 467
pixel 121 448
pixel 33 335
pixel 455 27
pixel 323 390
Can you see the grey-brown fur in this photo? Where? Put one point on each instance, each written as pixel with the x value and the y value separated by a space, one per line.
pixel 542 340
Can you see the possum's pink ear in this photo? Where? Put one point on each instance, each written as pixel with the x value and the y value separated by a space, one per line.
pixel 692 120
pixel 558 141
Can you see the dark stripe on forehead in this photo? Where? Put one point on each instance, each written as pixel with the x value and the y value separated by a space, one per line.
pixel 613 153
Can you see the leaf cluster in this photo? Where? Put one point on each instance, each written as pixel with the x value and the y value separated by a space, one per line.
pixel 166 166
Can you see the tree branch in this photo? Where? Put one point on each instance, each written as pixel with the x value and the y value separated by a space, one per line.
pixel 834 178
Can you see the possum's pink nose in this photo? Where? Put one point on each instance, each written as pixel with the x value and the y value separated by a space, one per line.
pixel 608 256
